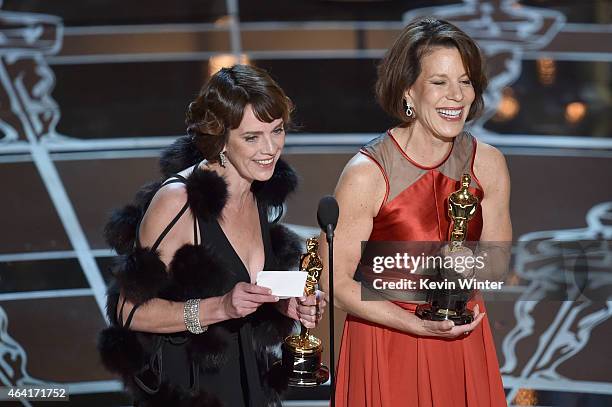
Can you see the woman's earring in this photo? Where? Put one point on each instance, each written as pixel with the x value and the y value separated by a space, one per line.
pixel 222 159
pixel 409 110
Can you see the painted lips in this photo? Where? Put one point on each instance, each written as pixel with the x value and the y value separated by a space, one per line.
pixel 450 114
pixel 265 163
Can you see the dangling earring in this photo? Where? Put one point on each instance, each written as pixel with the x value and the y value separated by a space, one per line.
pixel 222 159
pixel 409 110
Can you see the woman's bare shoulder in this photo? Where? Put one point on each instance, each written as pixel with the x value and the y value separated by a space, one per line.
pixel 362 184
pixel 164 207
pixel 487 153
pixel 490 166
pixel 363 171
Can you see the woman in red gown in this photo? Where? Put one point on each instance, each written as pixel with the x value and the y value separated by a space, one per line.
pixel 396 189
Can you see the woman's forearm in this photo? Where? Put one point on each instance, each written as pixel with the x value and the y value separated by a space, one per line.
pixel 347 294
pixel 162 316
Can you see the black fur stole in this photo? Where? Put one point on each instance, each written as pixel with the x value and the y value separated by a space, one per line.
pixel 193 273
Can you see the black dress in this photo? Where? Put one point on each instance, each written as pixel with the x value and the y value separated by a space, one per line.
pixel 237 382
pixel 231 363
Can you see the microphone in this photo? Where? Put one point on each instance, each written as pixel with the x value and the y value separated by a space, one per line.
pixel 327 216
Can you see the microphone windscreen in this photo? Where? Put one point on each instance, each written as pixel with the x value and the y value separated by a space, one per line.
pixel 328 211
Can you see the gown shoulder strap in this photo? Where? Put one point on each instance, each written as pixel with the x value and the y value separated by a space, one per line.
pixel 176 178
pixel 172 180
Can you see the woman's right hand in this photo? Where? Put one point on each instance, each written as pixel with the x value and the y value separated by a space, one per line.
pixel 245 298
pixel 447 329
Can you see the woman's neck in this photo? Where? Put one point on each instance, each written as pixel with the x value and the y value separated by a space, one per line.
pixel 421 144
pixel 239 191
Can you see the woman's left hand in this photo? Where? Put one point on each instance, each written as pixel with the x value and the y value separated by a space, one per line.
pixel 308 310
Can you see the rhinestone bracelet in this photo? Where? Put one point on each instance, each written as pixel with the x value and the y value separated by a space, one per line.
pixel 191 316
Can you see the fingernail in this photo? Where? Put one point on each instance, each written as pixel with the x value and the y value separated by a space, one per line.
pixel 276 298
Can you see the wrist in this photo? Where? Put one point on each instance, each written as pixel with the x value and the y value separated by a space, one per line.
pixel 289 308
pixel 192 316
pixel 212 310
pixel 414 325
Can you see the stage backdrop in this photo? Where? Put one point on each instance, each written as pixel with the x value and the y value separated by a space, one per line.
pixel 91 91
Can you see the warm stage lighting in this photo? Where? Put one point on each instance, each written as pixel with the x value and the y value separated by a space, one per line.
pixel 526 397
pixel 508 107
pixel 223 21
pixel 219 61
pixel 574 112
pixel 547 70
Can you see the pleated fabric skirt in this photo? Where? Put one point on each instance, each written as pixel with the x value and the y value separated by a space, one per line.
pixel 383 367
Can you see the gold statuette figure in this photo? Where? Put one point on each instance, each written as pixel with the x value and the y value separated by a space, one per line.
pixel 302 353
pixel 448 303
pixel 462 207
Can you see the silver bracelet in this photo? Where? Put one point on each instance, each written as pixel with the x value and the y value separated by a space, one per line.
pixel 191 316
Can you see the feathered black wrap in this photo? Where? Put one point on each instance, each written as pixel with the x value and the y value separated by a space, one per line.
pixel 141 276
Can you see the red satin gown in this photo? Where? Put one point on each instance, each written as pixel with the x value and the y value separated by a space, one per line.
pixel 382 367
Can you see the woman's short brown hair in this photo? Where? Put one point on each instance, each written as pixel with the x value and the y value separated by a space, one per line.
pixel 220 106
pixel 401 65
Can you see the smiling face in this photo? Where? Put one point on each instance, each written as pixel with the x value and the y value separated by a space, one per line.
pixel 442 94
pixel 255 146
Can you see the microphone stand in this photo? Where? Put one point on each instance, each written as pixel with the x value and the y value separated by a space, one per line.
pixel 332 361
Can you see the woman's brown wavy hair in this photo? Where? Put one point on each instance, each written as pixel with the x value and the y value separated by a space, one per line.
pixel 401 65
pixel 220 106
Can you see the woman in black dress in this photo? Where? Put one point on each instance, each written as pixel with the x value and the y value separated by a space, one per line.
pixel 190 327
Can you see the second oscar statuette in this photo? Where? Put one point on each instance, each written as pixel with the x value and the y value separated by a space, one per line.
pixel 302 353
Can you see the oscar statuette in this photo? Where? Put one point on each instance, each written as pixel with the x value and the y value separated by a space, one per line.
pixel 302 353
pixel 450 303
